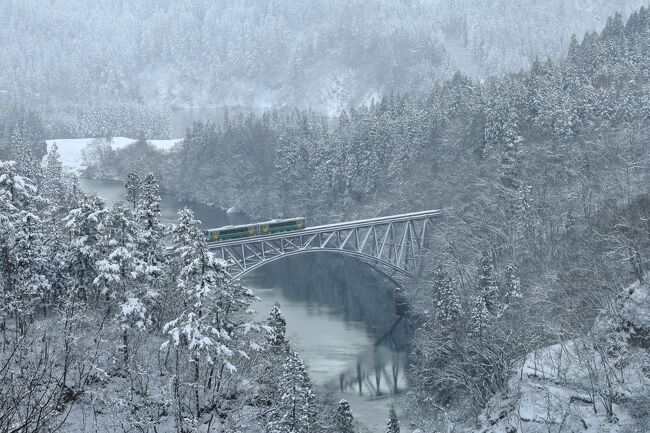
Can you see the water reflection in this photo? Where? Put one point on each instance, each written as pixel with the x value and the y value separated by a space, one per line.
pixel 348 330
pixel 378 374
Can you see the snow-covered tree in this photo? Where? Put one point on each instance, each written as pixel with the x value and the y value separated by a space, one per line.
pixel 85 228
pixel 487 283
pixel 152 232
pixel 17 144
pixel 54 186
pixel 511 164
pixel 392 425
pixel 133 188
pixel 512 293
pixel 213 324
pixel 344 420
pixel 295 409
pixel 150 242
pixel 479 317
pixel 278 325
pixel 447 304
pixel 23 263
pixel 119 272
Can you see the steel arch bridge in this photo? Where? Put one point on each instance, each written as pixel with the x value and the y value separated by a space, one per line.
pixel 391 244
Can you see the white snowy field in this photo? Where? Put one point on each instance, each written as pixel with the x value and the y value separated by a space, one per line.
pixel 71 149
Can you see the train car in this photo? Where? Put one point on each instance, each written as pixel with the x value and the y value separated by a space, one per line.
pixel 257 229
pixel 277 226
pixel 231 232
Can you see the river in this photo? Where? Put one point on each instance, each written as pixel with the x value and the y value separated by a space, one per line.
pixel 340 316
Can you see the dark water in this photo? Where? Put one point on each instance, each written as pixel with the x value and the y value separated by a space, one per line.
pixel 340 315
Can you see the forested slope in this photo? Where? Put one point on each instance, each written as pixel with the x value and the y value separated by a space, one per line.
pixel 112 67
pixel 406 151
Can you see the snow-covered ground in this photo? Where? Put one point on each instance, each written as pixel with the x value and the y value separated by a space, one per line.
pixel 567 387
pixel 71 149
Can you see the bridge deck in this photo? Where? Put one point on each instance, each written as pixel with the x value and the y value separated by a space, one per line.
pixel 332 227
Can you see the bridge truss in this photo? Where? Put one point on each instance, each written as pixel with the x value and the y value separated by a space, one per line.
pixel 391 244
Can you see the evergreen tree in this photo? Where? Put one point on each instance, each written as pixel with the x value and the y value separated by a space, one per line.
pixel 150 236
pixel 278 326
pixel 479 318
pixel 392 426
pixel 511 156
pixel 212 325
pixel 119 271
pixel 73 195
pixel 23 282
pixel 447 304
pixel 54 187
pixel 85 228
pixel 17 144
pixel 26 166
pixel 487 283
pixel 32 285
pixel 513 293
pixel 151 232
pixel 343 420
pixel 295 411
pixel 133 186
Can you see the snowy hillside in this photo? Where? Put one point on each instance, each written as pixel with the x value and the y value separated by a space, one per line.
pixel 599 383
pixel 325 54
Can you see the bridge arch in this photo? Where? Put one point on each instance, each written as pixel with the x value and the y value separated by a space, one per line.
pixel 391 245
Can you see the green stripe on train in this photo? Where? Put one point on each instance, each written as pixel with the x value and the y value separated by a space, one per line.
pixel 282 228
pixel 234 235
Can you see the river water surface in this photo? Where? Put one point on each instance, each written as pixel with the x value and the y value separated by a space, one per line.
pixel 340 315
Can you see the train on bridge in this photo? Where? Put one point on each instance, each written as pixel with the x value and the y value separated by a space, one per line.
pixel 255 229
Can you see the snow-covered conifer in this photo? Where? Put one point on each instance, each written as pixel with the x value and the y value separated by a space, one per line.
pixel 119 271
pixel 25 165
pixel 132 185
pixel 392 425
pixel 85 226
pixel 151 231
pixel 23 262
pixel 512 293
pixel 511 156
pixel 295 409
pixel 479 318
pixel 213 300
pixel 214 321
pixel 343 420
pixel 73 195
pixel 447 304
pixel 487 283
pixel 54 187
pixel 278 325
pixel 17 144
